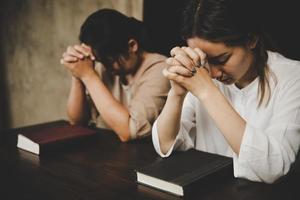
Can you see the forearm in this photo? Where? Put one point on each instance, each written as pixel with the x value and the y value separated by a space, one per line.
pixel 77 106
pixel 229 122
pixel 112 111
pixel 168 123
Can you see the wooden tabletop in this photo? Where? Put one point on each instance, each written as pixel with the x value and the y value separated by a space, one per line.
pixel 103 168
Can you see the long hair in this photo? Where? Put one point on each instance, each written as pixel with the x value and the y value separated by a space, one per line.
pixel 234 23
pixel 108 31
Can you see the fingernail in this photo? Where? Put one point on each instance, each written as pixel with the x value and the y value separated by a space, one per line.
pixel 168 61
pixel 202 62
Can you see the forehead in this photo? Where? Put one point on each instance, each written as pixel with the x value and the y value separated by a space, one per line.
pixel 210 48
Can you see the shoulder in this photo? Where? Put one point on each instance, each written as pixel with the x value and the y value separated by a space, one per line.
pixel 152 66
pixel 286 73
pixel 285 69
pixel 155 60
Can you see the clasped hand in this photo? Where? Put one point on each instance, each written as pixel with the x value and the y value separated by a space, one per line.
pixel 188 71
pixel 79 60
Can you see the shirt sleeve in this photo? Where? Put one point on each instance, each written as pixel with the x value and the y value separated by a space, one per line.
pixel 147 100
pixel 265 155
pixel 185 138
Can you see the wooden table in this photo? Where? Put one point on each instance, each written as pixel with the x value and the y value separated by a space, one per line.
pixel 104 169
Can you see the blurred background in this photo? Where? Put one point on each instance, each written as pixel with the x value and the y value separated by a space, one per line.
pixel 34 33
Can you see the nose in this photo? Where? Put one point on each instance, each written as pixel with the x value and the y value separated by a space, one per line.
pixel 215 72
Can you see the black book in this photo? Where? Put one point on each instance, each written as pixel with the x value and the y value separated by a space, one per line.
pixel 178 173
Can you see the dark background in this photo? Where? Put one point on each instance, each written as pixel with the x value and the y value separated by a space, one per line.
pixel 163 20
pixel 281 19
pixel 3 93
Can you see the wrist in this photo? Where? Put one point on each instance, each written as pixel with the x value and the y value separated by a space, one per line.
pixel 175 96
pixel 208 93
pixel 75 79
pixel 90 76
pixel 76 82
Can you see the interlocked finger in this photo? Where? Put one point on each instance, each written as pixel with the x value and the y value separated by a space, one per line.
pixel 176 50
pixel 69 58
pixel 180 70
pixel 173 76
pixel 73 52
pixel 172 61
pixel 193 56
pixel 185 61
pixel 202 56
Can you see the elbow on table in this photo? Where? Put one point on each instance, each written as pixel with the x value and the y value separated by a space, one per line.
pixel 273 177
pixel 125 137
pixel 269 175
pixel 278 170
pixel 77 122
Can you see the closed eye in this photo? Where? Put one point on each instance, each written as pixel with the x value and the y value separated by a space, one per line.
pixel 219 61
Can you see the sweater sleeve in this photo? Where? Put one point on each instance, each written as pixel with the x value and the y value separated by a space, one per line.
pixel 267 154
pixel 186 134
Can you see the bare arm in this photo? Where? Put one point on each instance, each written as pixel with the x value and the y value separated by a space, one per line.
pixel 168 123
pixel 78 60
pixel 112 111
pixel 229 122
pixel 77 106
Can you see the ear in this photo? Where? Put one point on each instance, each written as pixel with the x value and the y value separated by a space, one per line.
pixel 133 46
pixel 253 39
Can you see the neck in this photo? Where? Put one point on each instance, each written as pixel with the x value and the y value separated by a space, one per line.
pixel 249 76
pixel 141 57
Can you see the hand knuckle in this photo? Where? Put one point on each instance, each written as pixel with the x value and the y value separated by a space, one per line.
pixel 196 58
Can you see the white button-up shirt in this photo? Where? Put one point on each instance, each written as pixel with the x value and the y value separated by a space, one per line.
pixel 272 135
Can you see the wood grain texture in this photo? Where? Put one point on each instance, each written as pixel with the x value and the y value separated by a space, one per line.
pixel 104 169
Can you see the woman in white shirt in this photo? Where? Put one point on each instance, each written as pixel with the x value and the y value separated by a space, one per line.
pixel 243 101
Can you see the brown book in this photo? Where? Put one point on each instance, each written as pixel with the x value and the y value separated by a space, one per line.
pixel 44 139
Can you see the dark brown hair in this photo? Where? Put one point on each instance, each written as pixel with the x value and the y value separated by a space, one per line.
pixel 108 31
pixel 234 23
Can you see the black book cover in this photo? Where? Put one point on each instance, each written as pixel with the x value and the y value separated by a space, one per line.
pixel 183 169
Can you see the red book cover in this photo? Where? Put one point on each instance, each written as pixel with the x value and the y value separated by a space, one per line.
pixel 36 140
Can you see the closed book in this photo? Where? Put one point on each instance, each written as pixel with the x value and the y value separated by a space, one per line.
pixel 180 172
pixel 47 139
